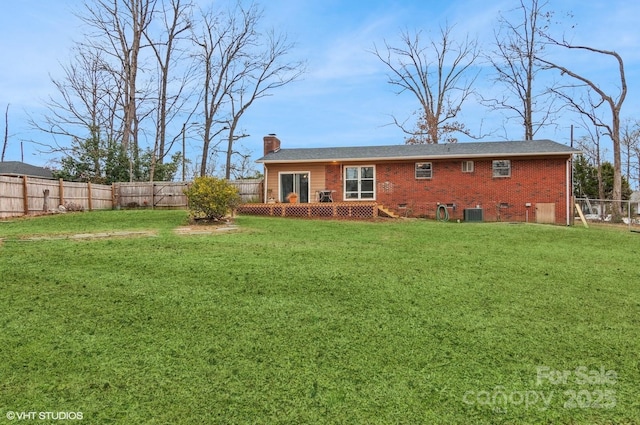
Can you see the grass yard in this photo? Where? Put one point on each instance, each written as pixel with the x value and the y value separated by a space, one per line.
pixel 289 321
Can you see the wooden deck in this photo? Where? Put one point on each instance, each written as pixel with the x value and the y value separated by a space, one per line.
pixel 347 210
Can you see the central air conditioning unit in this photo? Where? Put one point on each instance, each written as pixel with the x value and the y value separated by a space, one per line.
pixel 473 214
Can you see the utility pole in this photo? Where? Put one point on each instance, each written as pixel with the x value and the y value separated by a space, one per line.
pixel 6 133
pixel 183 151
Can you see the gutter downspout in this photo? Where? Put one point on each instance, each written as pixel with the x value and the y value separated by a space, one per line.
pixel 264 188
pixel 568 177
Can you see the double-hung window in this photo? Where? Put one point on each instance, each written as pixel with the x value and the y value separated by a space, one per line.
pixel 359 182
pixel 502 168
pixel 424 170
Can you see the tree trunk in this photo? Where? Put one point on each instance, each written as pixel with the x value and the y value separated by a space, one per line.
pixel 616 213
pixel 45 204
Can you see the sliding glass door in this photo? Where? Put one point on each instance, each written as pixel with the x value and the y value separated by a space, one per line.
pixel 294 183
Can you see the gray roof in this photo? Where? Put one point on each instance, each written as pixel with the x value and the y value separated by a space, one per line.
pixel 399 152
pixel 17 168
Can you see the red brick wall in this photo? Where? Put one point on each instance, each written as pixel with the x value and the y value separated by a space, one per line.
pixel 533 180
pixel 333 180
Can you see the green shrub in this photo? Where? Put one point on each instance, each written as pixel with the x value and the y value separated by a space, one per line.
pixel 212 198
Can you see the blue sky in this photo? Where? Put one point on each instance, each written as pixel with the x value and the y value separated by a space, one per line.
pixel 344 98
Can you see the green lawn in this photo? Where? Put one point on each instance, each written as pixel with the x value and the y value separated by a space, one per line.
pixel 290 321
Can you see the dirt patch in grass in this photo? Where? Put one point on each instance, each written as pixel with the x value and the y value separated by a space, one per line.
pixel 199 229
pixel 204 226
pixel 184 230
pixel 97 235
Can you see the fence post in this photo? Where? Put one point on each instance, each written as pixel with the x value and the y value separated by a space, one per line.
pixel 25 195
pixel 113 196
pixel 186 198
pixel 61 190
pixel 89 195
pixel 261 192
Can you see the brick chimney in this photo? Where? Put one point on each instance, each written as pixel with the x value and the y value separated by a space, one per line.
pixel 271 144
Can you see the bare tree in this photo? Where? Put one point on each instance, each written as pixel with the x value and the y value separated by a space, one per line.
pixel 595 98
pixel 240 65
pixel 85 109
pixel 260 73
pixel 127 80
pixel 630 141
pixel 636 152
pixel 100 97
pixel 175 19
pixel 86 100
pixel 220 42
pixel 438 75
pixel 244 167
pixel 517 44
pixel 118 28
pixel 129 72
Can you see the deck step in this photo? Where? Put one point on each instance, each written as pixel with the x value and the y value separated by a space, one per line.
pixel 386 212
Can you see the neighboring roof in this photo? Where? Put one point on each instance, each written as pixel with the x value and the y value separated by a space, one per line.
pixel 17 168
pixel 450 150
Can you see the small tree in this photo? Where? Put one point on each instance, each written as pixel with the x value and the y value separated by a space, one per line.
pixel 212 198
pixel 94 160
pixel 162 171
pixel 585 176
pixel 440 74
pixel 517 44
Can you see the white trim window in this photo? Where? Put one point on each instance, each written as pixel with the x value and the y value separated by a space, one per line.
pixel 359 182
pixel 502 168
pixel 424 170
pixel 467 166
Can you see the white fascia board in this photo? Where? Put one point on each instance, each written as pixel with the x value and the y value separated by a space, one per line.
pixel 410 158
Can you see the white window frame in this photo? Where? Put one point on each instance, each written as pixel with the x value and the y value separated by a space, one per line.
pixel 467 166
pixel 501 168
pixel 359 178
pixel 417 168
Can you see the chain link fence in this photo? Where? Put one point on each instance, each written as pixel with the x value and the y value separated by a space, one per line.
pixel 602 212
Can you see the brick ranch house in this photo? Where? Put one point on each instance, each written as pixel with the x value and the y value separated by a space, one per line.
pixel 488 181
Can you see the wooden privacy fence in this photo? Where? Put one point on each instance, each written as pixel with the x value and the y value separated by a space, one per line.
pixel 251 190
pixel 29 195
pixel 171 194
pixel 150 194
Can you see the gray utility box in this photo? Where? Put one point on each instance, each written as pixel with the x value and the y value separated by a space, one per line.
pixel 473 214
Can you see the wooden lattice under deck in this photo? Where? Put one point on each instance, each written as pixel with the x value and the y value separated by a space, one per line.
pixel 353 210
